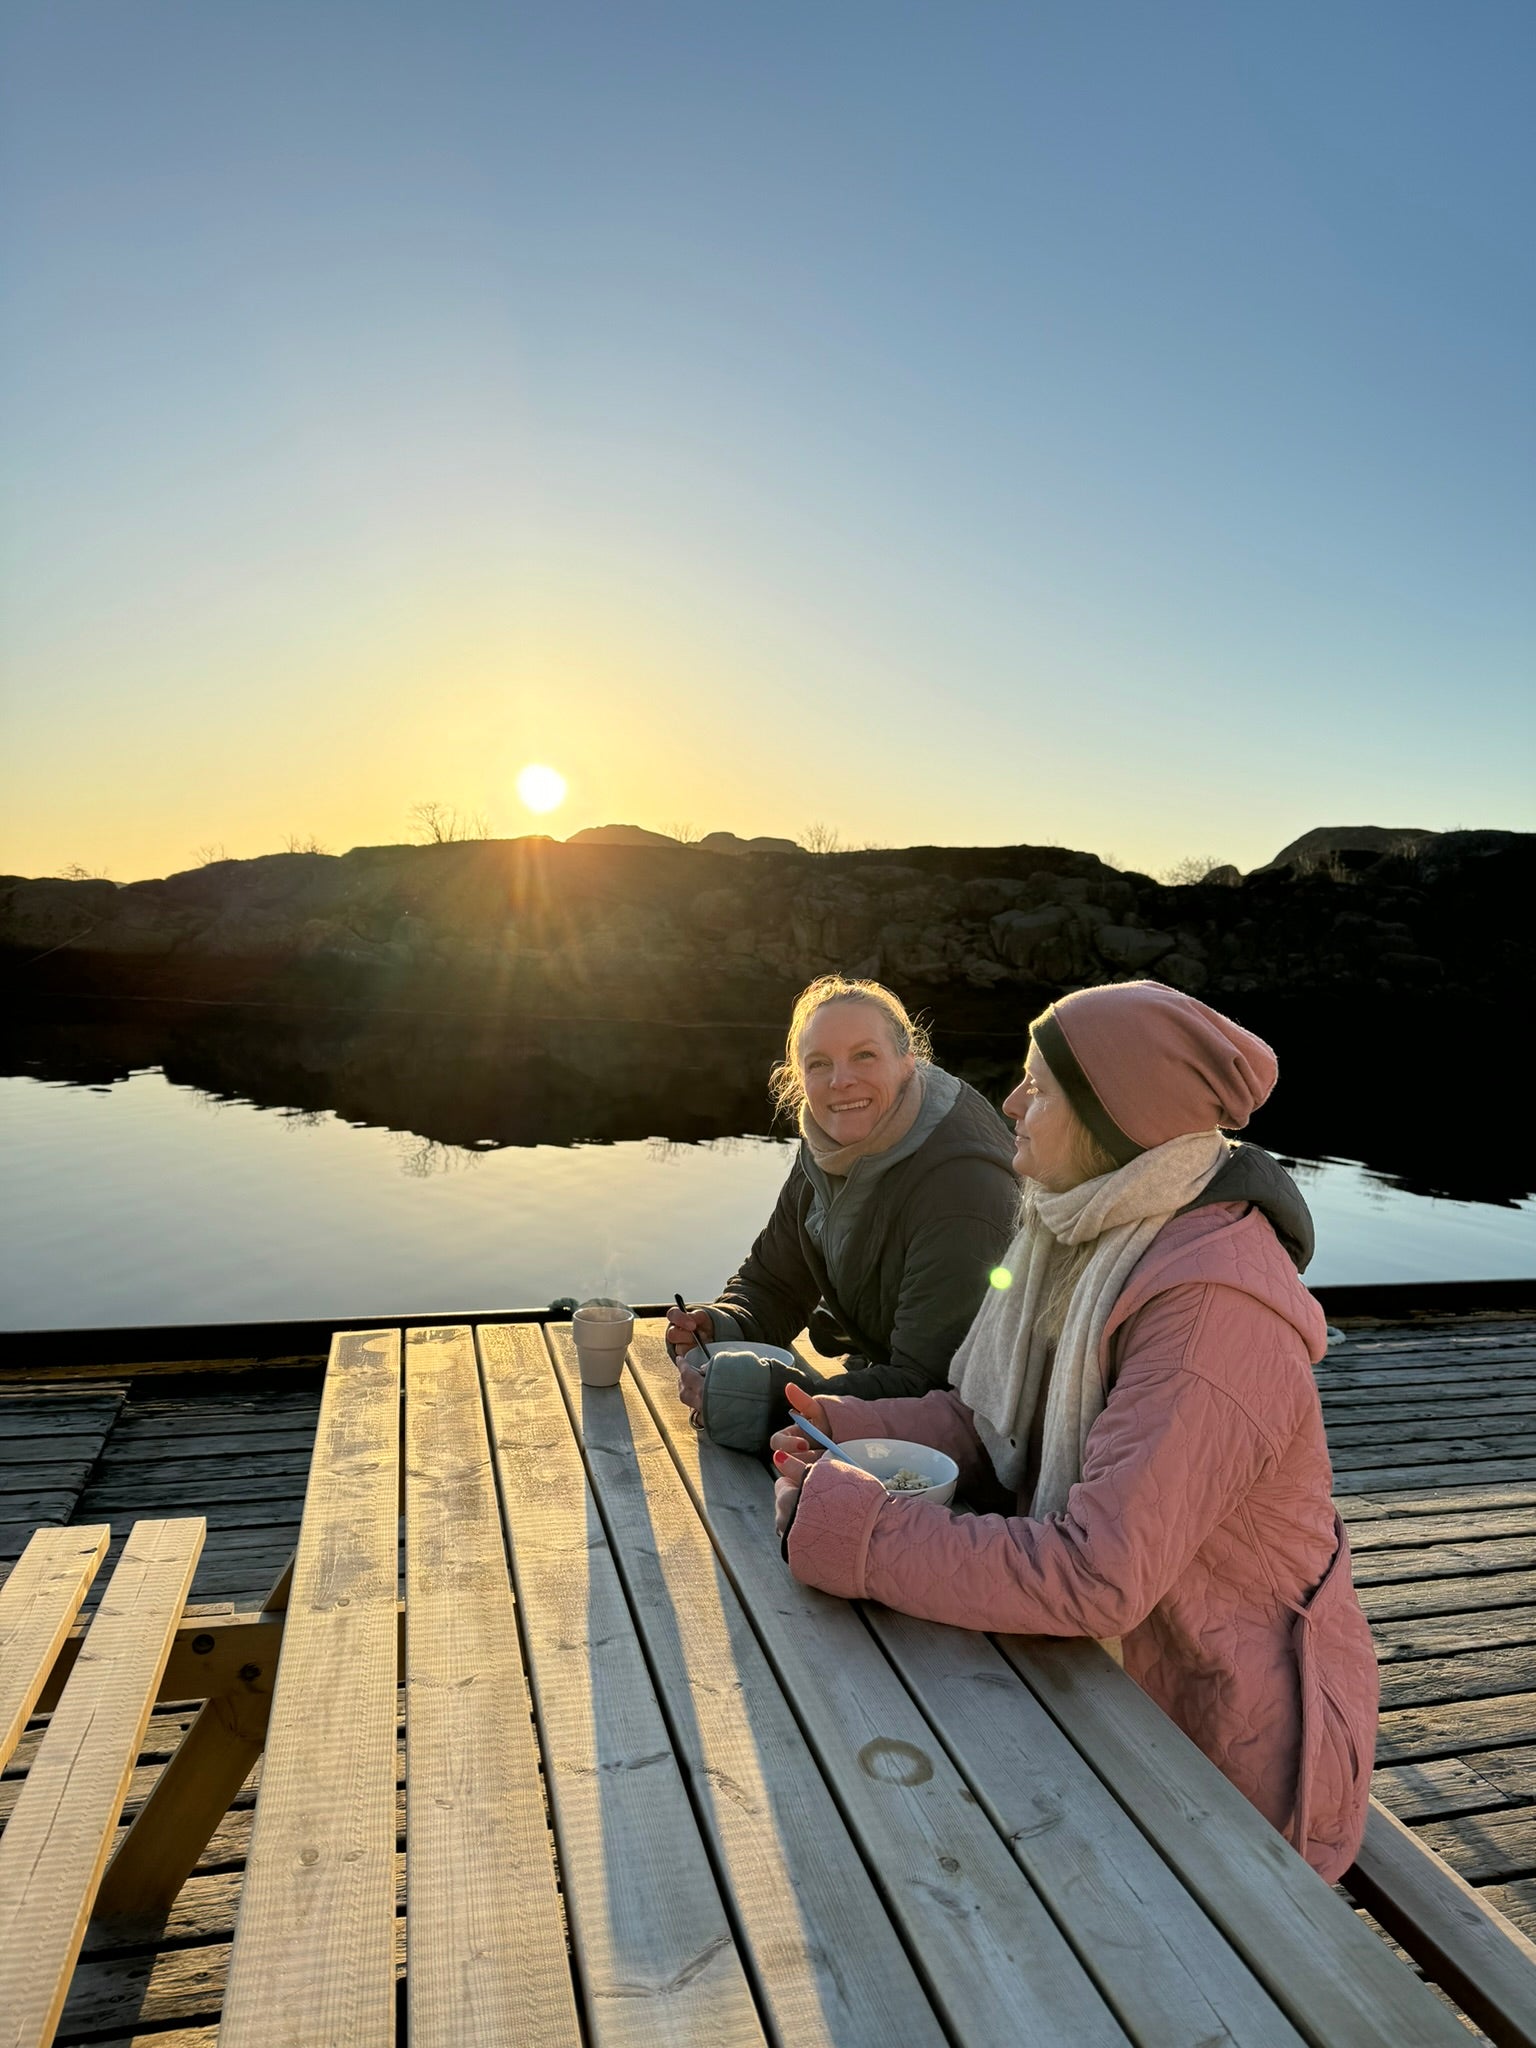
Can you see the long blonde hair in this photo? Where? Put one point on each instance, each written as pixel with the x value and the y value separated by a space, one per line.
pixel 786 1084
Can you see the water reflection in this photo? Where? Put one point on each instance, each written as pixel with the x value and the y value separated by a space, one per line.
pixel 1354 1083
pixel 335 1171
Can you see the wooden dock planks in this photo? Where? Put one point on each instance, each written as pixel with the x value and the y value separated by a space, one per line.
pixel 486 1954
pixel 1430 1430
pixel 56 1845
pixel 49 1443
pixel 313 1958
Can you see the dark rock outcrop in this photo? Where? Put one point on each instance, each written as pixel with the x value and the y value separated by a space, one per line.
pixel 621 835
pixel 533 926
pixel 727 842
pixel 1328 842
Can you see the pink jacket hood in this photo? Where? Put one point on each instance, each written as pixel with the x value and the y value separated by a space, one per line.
pixel 1229 1247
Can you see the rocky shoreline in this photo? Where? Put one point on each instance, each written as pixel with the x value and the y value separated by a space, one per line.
pixel 534 927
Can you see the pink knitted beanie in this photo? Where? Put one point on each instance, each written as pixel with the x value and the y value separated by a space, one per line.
pixel 1142 1063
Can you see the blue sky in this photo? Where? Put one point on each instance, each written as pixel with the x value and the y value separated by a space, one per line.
pixel 964 423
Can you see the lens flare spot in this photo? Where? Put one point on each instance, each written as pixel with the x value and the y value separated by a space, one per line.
pixel 540 788
pixel 1000 1277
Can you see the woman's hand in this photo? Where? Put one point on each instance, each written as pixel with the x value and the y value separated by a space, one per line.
pixel 789 1476
pixel 686 1328
pixel 794 1441
pixel 794 1454
pixel 690 1391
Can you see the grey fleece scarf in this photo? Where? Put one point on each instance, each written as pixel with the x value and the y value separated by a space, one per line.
pixel 838 1200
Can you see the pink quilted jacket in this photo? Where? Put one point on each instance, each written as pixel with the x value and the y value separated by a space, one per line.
pixel 1202 1531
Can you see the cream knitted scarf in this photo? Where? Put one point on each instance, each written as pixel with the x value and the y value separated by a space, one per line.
pixel 1000 1367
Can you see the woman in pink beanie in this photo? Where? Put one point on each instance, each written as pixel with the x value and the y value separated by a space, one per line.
pixel 1136 1399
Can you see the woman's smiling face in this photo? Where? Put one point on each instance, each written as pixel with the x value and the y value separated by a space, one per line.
pixel 851 1069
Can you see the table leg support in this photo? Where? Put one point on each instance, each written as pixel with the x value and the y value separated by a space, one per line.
pixel 189 1800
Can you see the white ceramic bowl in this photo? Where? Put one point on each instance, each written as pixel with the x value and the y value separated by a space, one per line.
pixel 771 1353
pixel 885 1456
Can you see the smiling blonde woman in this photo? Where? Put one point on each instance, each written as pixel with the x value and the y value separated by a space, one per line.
pixel 899 1203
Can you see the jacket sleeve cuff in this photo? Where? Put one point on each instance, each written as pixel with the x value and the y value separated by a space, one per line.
pixel 849 1416
pixel 726 1325
pixel 829 1538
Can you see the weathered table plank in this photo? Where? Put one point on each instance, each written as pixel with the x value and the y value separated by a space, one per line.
pixel 652 1939
pixel 1165 1969
pixel 1444 1564
pixel 1335 1979
pixel 313 1960
pixel 1486 1964
pixel 486 1956
pixel 996 1963
pixel 825 1960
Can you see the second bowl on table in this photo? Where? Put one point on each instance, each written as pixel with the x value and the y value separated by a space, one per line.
pixel 773 1354
pixel 910 1471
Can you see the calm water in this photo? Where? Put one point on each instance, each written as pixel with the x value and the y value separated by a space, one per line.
pixel 140 1201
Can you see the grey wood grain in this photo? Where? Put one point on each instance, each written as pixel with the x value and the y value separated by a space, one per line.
pixel 1454 1727
pixel 829 1969
pixel 993 1958
pixel 651 1936
pixel 314 1944
pixel 486 1954
pixel 1336 1980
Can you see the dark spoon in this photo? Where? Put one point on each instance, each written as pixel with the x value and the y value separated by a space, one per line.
pixel 698 1335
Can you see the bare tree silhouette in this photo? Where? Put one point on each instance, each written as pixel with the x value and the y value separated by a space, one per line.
pixel 819 838
pixel 440 824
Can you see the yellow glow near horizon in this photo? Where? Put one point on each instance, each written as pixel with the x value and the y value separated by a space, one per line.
pixel 540 788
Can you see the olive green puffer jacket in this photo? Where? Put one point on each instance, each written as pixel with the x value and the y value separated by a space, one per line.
pixel 909 1273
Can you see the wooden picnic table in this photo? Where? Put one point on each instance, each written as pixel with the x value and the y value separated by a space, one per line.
pixel 657 1792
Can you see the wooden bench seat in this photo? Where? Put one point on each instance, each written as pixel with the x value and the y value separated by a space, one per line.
pixel 62 1829
pixel 38 1604
pixel 1457 1939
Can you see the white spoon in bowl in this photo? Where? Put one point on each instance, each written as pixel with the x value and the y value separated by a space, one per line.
pixel 809 1429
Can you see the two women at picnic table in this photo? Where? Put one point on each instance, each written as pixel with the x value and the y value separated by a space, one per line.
pixel 1135 1419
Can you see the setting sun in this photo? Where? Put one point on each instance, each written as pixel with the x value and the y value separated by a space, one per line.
pixel 540 788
